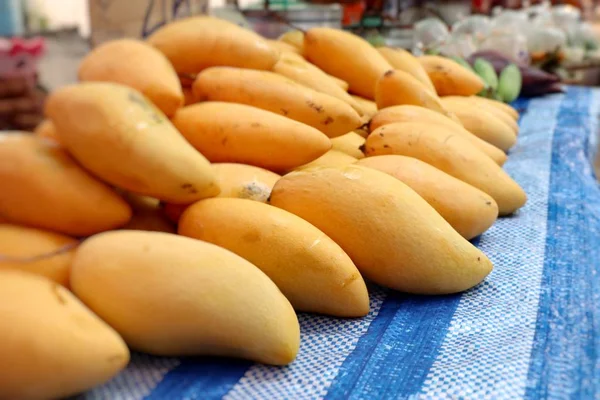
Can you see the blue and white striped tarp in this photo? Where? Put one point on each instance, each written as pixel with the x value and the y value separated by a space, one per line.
pixel 531 330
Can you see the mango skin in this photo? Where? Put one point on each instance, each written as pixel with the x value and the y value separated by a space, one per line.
pixel 278 94
pixel 237 181
pixel 451 154
pixel 451 78
pixel 43 187
pixel 346 56
pixel 410 113
pixel 405 61
pixel 126 141
pixel 138 65
pixel 469 210
pixel 350 143
pixel 393 236
pixel 46 129
pixel 481 123
pixel 237 133
pixel 332 158
pixel 23 243
pixel 221 43
pixel 397 87
pixel 52 346
pixel 311 270
pixel 169 295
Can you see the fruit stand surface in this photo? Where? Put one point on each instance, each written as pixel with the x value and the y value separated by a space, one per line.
pixel 531 330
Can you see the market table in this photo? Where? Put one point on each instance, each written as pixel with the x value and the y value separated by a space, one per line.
pixel 531 330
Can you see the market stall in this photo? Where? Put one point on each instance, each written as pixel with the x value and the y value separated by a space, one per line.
pixel 528 332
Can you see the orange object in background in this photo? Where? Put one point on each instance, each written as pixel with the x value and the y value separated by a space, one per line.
pixel 353 13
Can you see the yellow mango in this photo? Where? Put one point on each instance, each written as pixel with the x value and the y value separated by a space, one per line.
pixel 393 236
pixel 507 109
pixel 350 143
pixel 275 93
pixel 451 78
pixel 396 88
pixel 409 113
pixel 174 296
pixel 450 153
pixel 127 142
pixel 472 102
pixel 469 210
pixel 193 44
pixel 52 346
pixel 294 38
pixel 236 180
pixel 311 270
pixel 147 215
pixel 369 107
pixel 346 56
pixel 229 132
pixel 312 77
pixel 47 130
pixel 482 124
pixel 332 158
pixel 283 47
pixel 138 65
pixel 36 251
pixel 43 187
pixel 405 61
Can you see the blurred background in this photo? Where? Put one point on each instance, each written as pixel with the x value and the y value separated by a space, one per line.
pixel 42 41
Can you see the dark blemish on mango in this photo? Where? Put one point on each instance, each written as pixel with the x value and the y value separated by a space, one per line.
pixel 381 134
pixel 388 73
pixel 328 120
pixel 284 111
pixel 224 140
pixel 350 279
pixel 315 106
pixel 385 146
pixel 139 100
pixel 189 188
pixel 255 125
pixel 478 258
pixel 489 203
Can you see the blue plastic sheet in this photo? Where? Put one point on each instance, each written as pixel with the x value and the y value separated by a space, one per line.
pixel 531 330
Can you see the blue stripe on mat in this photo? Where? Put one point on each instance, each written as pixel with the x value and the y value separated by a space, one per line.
pixel 393 358
pixel 213 377
pixel 564 358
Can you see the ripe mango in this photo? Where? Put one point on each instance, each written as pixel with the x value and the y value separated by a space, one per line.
pixel 52 346
pixel 405 61
pixel 174 296
pixel 450 153
pixel 410 113
pixel 193 44
pixel 236 180
pixel 36 251
pixel 229 132
pixel 138 65
pixel 278 94
pixel 43 187
pixel 393 236
pixel 350 143
pixel 469 210
pixel 451 78
pixel 332 158
pixel 311 270
pixel 346 56
pixel 129 143
pixel 46 129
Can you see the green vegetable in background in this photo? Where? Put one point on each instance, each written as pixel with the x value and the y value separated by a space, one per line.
pixel 486 71
pixel 509 83
pixel 462 62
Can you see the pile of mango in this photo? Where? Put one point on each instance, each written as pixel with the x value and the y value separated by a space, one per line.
pixel 195 190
